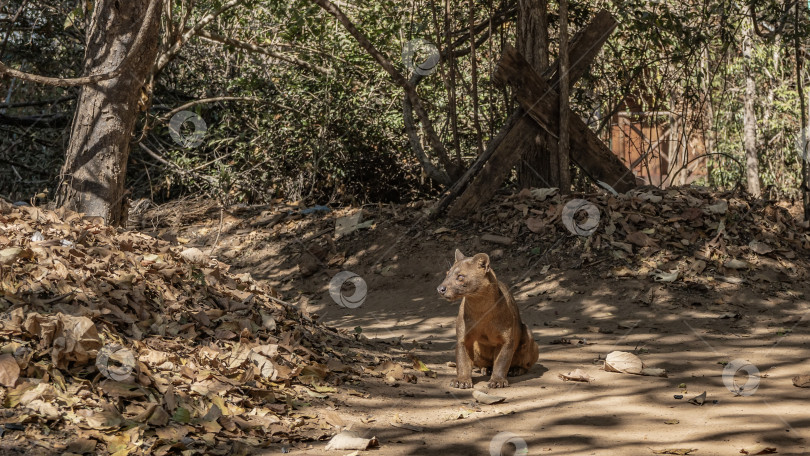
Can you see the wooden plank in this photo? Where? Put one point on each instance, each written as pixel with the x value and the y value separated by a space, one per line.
pixel 541 101
pixel 584 47
pixel 498 167
pixel 461 184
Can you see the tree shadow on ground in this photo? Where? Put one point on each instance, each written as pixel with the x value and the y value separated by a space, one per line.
pixel 577 315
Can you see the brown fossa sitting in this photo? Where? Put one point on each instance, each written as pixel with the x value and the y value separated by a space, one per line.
pixel 489 331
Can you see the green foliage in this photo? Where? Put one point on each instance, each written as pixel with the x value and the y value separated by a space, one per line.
pixel 333 136
pixel 39 42
pixel 319 120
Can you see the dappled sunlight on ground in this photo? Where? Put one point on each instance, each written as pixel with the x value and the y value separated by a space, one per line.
pixel 579 311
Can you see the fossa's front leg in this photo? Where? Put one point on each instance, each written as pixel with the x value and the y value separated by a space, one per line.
pixel 501 365
pixel 463 361
pixel 463 368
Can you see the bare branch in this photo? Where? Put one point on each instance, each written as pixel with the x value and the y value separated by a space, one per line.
pixel 177 167
pixel 70 82
pixel 167 56
pixel 261 50
pixel 10 28
pixel 781 22
pixel 416 145
pixel 25 104
pixel 216 99
pixel 58 82
pixel 364 42
pixel 59 120
pixel 399 79
pixel 497 19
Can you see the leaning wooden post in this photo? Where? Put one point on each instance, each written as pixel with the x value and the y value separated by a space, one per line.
pixel 563 143
pixel 477 187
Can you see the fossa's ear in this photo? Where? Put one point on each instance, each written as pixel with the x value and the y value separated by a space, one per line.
pixel 482 260
pixel 459 256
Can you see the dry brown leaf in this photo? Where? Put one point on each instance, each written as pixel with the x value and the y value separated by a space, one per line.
pixel 350 440
pixel 82 446
pixel 654 372
pixel 735 264
pixel 70 338
pixel 265 367
pixel 43 391
pixel 334 419
pixel 802 381
pixel 535 224
pixel 195 255
pixel 700 399
pixel 760 247
pixel 118 389
pixel 624 362
pixel 44 409
pixel 759 449
pixel 9 370
pixel 107 418
pixel 577 375
pixel 10 255
pixel 313 371
pixel 719 208
pixel 640 239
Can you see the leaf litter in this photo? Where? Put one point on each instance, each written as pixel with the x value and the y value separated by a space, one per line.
pixel 687 238
pixel 688 235
pixel 118 339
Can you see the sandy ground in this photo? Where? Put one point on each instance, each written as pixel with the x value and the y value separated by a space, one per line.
pixel 690 331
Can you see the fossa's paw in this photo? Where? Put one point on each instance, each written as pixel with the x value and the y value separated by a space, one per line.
pixel 498 382
pixel 462 383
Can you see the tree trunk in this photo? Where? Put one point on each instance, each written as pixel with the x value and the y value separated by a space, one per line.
pixel 92 178
pixel 805 181
pixel 749 115
pixel 539 166
pixel 805 157
pixel 709 134
pixel 564 144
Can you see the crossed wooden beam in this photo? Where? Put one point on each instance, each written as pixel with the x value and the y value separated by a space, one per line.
pixel 539 100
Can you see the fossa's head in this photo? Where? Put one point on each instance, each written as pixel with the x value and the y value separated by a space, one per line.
pixel 467 276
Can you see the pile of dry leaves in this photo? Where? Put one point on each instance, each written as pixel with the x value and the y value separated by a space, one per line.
pixel 122 343
pixel 677 234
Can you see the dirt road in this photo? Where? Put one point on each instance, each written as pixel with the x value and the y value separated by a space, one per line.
pixel 578 315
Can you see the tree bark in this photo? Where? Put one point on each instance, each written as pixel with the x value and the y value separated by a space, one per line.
pixel 805 183
pixel 749 115
pixel 479 135
pixel 541 101
pixel 92 178
pixel 709 133
pixel 563 158
pixel 539 165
